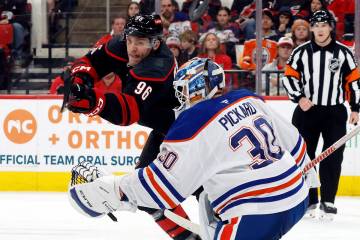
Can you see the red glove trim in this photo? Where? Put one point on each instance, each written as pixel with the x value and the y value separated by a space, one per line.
pixel 134 109
pixel 83 65
pixel 123 108
pixel 100 103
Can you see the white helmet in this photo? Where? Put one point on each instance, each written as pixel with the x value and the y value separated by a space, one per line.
pixel 197 80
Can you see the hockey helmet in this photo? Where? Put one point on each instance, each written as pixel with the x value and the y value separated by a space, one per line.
pixel 322 16
pixel 197 80
pixel 149 26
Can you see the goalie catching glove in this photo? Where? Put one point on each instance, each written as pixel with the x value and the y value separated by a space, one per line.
pixel 95 195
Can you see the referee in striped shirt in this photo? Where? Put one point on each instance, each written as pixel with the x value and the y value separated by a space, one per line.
pixel 320 76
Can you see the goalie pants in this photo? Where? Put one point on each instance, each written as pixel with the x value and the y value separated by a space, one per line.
pixel 260 227
pixel 330 122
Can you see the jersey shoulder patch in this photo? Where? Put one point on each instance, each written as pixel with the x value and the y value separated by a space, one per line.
pixel 192 121
pixel 116 48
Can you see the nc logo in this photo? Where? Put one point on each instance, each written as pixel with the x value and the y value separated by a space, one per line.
pixel 20 126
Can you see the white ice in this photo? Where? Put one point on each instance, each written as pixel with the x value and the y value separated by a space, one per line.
pixel 49 216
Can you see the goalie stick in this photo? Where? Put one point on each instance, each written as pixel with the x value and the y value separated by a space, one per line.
pixel 331 149
pixel 195 228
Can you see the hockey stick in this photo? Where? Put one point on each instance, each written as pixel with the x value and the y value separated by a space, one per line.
pixel 182 222
pixel 67 86
pixel 331 149
pixel 195 228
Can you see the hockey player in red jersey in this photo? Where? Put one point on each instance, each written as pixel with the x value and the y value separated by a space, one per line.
pixel 146 67
pixel 248 159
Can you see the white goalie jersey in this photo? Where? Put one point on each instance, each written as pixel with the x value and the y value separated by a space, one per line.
pixel 247 158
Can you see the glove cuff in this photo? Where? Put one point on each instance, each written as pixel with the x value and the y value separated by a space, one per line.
pixel 99 104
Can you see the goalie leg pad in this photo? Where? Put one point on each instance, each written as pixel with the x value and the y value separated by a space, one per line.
pixel 207 218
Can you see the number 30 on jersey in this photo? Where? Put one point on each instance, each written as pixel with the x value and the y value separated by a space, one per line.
pixel 263 150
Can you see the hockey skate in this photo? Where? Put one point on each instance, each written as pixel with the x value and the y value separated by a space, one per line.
pixel 327 211
pixel 311 211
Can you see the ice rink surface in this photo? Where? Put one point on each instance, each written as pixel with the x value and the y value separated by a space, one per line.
pixel 49 216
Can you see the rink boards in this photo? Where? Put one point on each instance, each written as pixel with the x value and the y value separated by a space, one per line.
pixel 39 145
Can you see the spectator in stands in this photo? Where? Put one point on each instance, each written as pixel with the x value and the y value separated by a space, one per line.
pixel 283 21
pixel 248 61
pixel 199 16
pixel 344 11
pixel 173 43
pixel 211 49
pixel 178 22
pixel 117 29
pixel 176 6
pixel 14 13
pixel 300 32
pixel 245 8
pixel 53 25
pixel 55 10
pixel 284 48
pixel 267 24
pixel 188 42
pixel 226 31
pixel 309 7
pixel 147 6
pixel 243 13
pixel 294 5
pixel 248 26
pixel 213 8
pixel 238 7
pixel 133 8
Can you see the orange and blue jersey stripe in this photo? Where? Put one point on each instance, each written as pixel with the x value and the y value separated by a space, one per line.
pixel 299 151
pixel 159 188
pixel 249 193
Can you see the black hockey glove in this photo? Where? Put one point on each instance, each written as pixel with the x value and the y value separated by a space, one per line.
pixel 84 99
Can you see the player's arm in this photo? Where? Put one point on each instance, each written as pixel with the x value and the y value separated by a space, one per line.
pixel 120 108
pixel 138 98
pixel 169 180
pixel 352 78
pixel 292 77
pixel 100 61
pixel 178 171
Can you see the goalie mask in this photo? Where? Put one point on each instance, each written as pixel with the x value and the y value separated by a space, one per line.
pixel 197 80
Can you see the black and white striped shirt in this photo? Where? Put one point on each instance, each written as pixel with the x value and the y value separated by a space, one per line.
pixel 326 75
